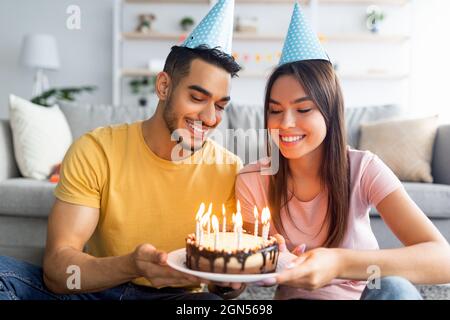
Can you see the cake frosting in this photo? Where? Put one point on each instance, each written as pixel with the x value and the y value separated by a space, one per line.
pixel 254 255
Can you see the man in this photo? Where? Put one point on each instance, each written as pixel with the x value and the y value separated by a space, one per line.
pixel 123 198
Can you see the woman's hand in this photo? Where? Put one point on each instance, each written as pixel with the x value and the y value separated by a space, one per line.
pixel 312 270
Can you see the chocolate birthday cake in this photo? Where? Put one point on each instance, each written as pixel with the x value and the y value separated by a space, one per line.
pixel 220 254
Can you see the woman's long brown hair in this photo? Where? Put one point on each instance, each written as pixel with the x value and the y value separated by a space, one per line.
pixel 319 81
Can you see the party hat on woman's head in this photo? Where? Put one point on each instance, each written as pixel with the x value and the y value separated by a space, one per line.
pixel 216 29
pixel 301 42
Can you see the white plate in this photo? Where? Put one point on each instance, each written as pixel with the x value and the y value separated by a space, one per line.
pixel 177 260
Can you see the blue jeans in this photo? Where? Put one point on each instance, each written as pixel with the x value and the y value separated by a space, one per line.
pixel 392 288
pixel 24 281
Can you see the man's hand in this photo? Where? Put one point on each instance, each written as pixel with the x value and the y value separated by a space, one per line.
pixel 152 265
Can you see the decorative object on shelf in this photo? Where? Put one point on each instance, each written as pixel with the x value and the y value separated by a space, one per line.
pixel 145 22
pixel 268 56
pixel 40 52
pixel 144 87
pixel 52 96
pixel 246 24
pixel 374 17
pixel 187 23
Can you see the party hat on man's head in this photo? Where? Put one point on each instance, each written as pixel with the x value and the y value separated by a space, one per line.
pixel 301 42
pixel 216 29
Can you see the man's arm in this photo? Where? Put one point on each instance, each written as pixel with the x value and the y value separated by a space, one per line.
pixel 69 228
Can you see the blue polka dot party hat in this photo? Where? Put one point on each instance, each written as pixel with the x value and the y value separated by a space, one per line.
pixel 216 28
pixel 301 42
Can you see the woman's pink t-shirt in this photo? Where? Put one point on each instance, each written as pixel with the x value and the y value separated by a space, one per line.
pixel 371 181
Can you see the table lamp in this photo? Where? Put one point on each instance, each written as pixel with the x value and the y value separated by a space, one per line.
pixel 39 51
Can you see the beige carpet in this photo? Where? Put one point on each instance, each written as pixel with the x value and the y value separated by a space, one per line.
pixel 440 292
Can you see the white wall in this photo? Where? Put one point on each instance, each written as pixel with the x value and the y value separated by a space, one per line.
pixel 431 58
pixel 85 54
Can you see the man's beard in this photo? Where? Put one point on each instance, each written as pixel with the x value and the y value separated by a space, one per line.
pixel 171 120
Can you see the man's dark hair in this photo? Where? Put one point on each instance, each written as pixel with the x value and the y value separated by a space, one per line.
pixel 179 60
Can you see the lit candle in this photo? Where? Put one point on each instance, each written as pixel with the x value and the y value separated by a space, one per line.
pixel 224 214
pixel 265 217
pixel 198 219
pixel 236 223
pixel 238 226
pixel 203 223
pixel 233 220
pixel 215 224
pixel 208 214
pixel 255 213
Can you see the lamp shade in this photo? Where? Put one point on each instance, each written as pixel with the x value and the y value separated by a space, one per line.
pixel 40 51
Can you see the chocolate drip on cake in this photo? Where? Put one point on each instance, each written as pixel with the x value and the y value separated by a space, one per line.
pixel 194 253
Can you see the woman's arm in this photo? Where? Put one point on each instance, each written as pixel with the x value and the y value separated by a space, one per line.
pixel 425 257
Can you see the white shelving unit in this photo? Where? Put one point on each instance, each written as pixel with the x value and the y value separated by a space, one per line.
pixel 271 37
pixel 124 37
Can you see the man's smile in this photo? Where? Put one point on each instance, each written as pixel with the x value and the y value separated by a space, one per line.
pixel 196 128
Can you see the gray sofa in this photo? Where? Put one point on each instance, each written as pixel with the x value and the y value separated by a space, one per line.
pixel 25 203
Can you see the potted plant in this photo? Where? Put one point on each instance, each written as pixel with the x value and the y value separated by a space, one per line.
pixel 52 96
pixel 144 87
pixel 186 23
pixel 145 22
pixel 374 16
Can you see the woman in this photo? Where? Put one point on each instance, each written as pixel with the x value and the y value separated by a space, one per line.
pixel 322 192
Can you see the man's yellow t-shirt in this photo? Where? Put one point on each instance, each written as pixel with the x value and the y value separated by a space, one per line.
pixel 143 198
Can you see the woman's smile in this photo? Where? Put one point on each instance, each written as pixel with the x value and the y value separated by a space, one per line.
pixel 291 140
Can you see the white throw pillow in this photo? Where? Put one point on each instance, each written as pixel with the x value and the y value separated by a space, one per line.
pixel 41 137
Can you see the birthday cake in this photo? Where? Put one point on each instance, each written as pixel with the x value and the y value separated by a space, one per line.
pixel 220 254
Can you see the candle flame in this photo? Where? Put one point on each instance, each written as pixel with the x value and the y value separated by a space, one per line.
pixel 255 212
pixel 265 215
pixel 215 223
pixel 238 206
pixel 200 212
pixel 204 222
pixel 223 210
pixel 238 219
pixel 205 218
pixel 209 209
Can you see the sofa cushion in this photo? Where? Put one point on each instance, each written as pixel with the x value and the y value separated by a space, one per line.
pixel 441 156
pixel 245 141
pixel 22 231
pixel 433 199
pixel 8 166
pixel 26 197
pixel 83 118
pixel 354 117
pixel 406 145
pixel 41 137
